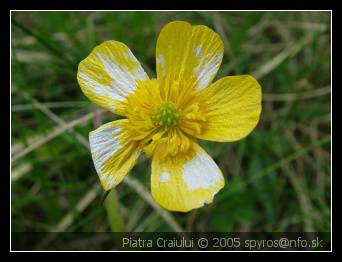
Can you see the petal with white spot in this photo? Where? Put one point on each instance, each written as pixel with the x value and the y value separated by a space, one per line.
pixel 182 183
pixel 113 153
pixel 109 74
pixel 187 54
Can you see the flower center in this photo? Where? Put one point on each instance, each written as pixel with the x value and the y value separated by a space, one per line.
pixel 166 115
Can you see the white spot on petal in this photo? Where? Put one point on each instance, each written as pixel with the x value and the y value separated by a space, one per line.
pixel 103 144
pixel 201 172
pixel 205 71
pixel 110 181
pixel 127 54
pixel 124 81
pixel 139 73
pixel 161 63
pixel 99 89
pixel 198 52
pixel 164 177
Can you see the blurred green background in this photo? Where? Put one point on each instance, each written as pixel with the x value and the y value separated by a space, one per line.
pixel 277 179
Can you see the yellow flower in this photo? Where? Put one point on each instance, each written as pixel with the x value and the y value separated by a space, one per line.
pixel 165 116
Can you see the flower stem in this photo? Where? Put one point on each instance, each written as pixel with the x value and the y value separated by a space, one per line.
pixel 114 217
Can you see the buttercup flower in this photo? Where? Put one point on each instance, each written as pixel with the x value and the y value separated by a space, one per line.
pixel 165 116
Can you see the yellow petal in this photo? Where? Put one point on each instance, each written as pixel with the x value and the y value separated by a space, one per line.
pixel 232 108
pixel 187 54
pixel 109 74
pixel 113 152
pixel 182 183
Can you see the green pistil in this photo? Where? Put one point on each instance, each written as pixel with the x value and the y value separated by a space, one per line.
pixel 166 115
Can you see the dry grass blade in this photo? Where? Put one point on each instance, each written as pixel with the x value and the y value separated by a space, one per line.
pixel 67 104
pixel 28 56
pixel 278 59
pixel 61 122
pixel 304 200
pixel 79 208
pixel 44 42
pixel 68 219
pixel 18 146
pixel 297 96
pixel 19 171
pixel 54 133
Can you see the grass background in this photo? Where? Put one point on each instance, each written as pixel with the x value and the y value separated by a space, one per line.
pixel 277 179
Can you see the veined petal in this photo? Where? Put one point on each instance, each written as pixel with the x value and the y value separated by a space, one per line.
pixel 113 152
pixel 188 54
pixel 109 74
pixel 232 108
pixel 185 182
